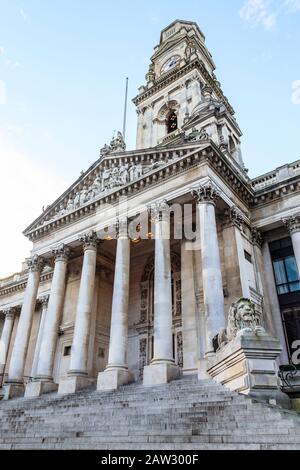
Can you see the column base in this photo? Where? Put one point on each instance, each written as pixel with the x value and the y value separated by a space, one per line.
pixel 38 388
pixel 73 384
pixel 159 373
pixel 202 370
pixel 13 390
pixel 111 379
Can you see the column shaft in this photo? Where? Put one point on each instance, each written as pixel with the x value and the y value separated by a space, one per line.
pixel 211 271
pixel 162 368
pixel 39 337
pixel 18 357
pixel 296 246
pixel 6 337
pixel 119 317
pixel 163 339
pixel 80 345
pixel 49 338
pixel 207 195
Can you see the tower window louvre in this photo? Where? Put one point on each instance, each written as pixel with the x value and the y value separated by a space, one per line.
pixel 172 122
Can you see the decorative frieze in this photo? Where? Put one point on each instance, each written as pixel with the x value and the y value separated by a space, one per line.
pixel 179 349
pixel 142 356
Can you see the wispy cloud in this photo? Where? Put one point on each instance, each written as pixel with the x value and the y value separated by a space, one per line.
pixel 2 50
pixel 24 15
pixel 265 13
pixel 296 92
pixel 14 64
pixel 292 6
pixel 257 12
pixel 2 92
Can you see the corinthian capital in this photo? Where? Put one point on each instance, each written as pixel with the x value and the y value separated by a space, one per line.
pixel 159 210
pixel 292 223
pixel 89 240
pixel 206 193
pixel 11 312
pixel 61 253
pixel 44 300
pixel 233 216
pixel 257 237
pixel 35 263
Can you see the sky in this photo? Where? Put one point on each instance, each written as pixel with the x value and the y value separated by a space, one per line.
pixel 63 65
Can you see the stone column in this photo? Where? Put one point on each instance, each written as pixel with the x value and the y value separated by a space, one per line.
pixel 190 327
pixel 5 338
pixel 293 226
pixel 78 372
pixel 206 195
pixel 116 372
pixel 44 303
pixel 162 368
pixel 14 385
pixel 43 380
pixel 257 240
pixel 238 283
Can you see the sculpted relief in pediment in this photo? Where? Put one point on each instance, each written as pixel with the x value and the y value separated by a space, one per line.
pixel 106 180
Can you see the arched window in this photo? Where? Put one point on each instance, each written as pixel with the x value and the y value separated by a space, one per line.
pixel 172 122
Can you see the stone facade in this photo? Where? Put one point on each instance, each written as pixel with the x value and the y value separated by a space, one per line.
pixel 97 302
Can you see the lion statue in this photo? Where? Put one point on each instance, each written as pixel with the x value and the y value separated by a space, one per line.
pixel 242 318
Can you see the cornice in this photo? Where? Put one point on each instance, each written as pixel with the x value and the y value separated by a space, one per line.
pixel 21 285
pixel 174 75
pixel 204 152
pixel 276 191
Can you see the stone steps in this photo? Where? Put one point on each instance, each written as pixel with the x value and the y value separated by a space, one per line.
pixel 186 414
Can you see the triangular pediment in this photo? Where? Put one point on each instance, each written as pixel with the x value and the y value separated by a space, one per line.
pixel 114 173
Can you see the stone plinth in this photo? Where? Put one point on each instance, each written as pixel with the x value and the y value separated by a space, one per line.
pixel 37 388
pixel 247 364
pixel 111 379
pixel 73 384
pixel 13 390
pixel 159 373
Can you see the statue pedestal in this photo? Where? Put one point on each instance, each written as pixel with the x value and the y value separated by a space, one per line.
pixel 247 364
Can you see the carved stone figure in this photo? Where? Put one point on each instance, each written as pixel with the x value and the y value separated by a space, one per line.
pixel 70 205
pixel 95 188
pixel 242 318
pixel 203 135
pixel 118 144
pixel 77 200
pixel 105 179
pixel 124 174
pixel 83 196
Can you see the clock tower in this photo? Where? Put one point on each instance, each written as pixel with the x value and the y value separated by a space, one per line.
pixel 182 98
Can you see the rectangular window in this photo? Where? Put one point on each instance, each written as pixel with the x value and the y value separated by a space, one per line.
pixel 285 267
pixel 291 322
pixel 101 352
pixel 286 275
pixel 67 350
pixel 248 256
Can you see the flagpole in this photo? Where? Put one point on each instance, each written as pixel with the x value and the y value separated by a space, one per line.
pixel 125 109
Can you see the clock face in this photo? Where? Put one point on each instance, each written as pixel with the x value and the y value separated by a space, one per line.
pixel 170 64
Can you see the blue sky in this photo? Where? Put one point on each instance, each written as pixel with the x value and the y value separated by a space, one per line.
pixel 63 65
